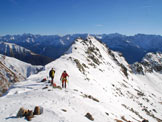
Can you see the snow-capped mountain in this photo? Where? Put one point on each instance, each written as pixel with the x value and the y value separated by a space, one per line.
pixel 101 83
pixel 147 42
pixel 13 70
pixel 13 50
pixel 152 62
pixel 133 48
pixel 52 46
pixel 117 42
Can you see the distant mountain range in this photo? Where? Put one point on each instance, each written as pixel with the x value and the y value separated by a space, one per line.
pixel 23 54
pixel 133 48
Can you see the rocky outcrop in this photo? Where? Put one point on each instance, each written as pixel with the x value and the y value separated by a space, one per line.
pixel 150 63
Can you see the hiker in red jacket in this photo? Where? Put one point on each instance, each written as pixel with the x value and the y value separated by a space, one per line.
pixel 64 78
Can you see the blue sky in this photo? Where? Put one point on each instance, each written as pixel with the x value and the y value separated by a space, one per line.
pixel 48 17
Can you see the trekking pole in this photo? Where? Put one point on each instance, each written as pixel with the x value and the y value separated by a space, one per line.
pixel 61 82
pixel 68 81
pixel 47 79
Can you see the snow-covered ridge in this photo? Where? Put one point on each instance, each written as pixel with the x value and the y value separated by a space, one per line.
pixel 13 70
pixel 7 76
pixel 100 83
pixel 23 54
pixel 152 62
pixel 20 67
pixel 95 54
pixel 11 47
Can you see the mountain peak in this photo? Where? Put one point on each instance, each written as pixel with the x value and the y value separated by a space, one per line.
pixel 99 83
pixel 92 53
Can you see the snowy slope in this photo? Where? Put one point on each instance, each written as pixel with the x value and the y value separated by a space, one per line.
pixel 100 83
pixel 8 48
pixel 151 62
pixel 25 69
pixel 23 54
pixel 13 70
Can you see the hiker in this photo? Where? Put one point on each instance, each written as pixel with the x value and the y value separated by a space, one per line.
pixel 51 74
pixel 64 78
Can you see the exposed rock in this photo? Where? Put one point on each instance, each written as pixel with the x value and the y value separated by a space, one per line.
pixel 145 120
pixel 151 62
pixel 91 97
pixel 89 116
pixel 118 120
pixel 21 112
pixel 80 67
pixel 64 110
pixel 29 115
pixel 124 70
pixel 38 110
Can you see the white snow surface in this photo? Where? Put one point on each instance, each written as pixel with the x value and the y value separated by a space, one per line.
pixel 17 66
pixel 119 96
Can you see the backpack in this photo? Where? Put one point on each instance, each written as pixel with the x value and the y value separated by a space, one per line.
pixel 52 73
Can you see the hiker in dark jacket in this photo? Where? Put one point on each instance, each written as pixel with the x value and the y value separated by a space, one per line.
pixel 64 79
pixel 51 75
